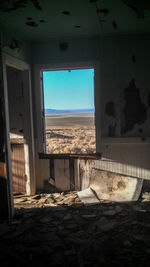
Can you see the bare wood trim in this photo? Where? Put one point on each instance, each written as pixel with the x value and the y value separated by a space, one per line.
pixel 15 62
pixel 29 144
pixel 17 141
pixel 28 133
pixel 66 65
pixel 95 156
pixel 77 174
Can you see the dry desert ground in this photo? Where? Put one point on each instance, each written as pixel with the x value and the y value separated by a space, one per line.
pixel 71 133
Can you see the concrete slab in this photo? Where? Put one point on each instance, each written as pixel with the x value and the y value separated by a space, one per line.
pixel 115 187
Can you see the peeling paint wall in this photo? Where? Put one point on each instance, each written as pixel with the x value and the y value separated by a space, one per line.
pixel 124 67
pixel 126 85
pixel 124 96
pixel 15 46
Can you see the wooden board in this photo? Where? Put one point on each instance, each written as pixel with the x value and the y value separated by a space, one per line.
pixel 84 172
pixel 2 169
pixel 62 174
pixel 18 168
pixel 76 175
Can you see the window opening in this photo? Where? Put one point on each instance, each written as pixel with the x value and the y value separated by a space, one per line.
pixel 69 111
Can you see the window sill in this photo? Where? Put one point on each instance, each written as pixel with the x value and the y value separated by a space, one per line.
pixel 94 156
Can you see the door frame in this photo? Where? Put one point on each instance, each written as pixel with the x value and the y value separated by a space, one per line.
pixel 28 120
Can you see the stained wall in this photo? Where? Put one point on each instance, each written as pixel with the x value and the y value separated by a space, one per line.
pixel 124 99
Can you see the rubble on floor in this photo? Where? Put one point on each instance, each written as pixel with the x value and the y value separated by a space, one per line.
pixel 57 229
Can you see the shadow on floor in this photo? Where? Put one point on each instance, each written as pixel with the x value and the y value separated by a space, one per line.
pixel 107 234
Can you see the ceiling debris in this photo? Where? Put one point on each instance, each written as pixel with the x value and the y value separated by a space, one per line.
pixel 98 12
pixel 93 1
pixel 114 24
pixel 77 26
pixel 36 4
pixel 63 46
pixel 104 11
pixel 139 6
pixel 66 13
pixel 134 58
pixel 32 23
pixel 10 5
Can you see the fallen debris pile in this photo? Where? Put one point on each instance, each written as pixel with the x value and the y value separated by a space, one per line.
pixel 47 200
pixel 57 229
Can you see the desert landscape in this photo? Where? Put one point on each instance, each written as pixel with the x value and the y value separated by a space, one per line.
pixel 70 132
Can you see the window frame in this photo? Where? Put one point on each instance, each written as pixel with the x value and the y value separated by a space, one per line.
pixel 71 66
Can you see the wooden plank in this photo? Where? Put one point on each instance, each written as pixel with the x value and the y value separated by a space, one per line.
pixel 17 140
pixel 71 168
pixel 77 175
pixel 28 131
pixel 84 173
pixel 2 169
pixel 95 156
pixel 18 169
pixel 62 174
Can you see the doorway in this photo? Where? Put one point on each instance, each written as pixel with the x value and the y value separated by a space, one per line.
pixel 19 98
pixel 16 119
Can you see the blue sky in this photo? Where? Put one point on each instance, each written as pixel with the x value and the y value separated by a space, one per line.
pixel 69 89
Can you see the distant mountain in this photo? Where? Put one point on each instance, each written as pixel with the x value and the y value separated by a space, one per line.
pixel 50 111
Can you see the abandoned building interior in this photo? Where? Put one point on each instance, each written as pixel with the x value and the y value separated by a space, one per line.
pixel 75 209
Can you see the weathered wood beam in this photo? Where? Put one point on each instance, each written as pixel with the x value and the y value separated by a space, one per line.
pixel 95 156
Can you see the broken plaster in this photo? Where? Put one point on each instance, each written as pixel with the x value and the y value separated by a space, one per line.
pixel 138 6
pixel 8 5
pixel 135 112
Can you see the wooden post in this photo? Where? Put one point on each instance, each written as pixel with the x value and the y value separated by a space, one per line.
pixel 6 205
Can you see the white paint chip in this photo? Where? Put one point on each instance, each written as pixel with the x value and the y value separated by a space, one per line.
pixel 88 197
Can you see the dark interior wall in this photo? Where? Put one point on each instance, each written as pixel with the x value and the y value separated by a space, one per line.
pixel 15 101
pixel 124 98
pixel 16 46
pixel 83 49
pixel 124 78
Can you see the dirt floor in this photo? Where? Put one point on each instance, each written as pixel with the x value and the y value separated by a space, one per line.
pixel 58 230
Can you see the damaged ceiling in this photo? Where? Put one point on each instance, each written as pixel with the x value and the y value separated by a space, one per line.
pixel 45 19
